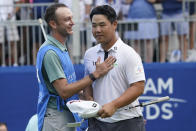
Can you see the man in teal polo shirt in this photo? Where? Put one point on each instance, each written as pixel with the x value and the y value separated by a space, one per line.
pixel 56 75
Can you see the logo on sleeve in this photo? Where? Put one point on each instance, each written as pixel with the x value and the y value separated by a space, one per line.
pixel 139 69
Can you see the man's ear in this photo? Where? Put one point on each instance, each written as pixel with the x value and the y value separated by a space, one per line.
pixel 115 23
pixel 52 24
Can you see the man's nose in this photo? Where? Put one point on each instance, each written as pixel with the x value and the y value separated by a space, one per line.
pixel 98 29
pixel 72 22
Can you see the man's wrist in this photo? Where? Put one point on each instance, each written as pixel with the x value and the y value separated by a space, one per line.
pixel 115 104
pixel 92 77
pixel 96 74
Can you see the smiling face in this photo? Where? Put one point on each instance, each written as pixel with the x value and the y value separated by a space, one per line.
pixel 103 30
pixel 64 23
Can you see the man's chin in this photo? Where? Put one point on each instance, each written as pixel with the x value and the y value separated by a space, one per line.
pixel 70 32
pixel 99 41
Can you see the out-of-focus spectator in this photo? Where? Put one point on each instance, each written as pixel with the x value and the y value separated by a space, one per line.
pixel 116 4
pixel 173 10
pixel 191 53
pixel 84 9
pixel 38 12
pixel 147 32
pixel 24 32
pixel 192 12
pixel 124 9
pixel 9 32
pixel 3 126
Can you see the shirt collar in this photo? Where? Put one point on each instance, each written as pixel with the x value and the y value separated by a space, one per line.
pixel 56 43
pixel 113 48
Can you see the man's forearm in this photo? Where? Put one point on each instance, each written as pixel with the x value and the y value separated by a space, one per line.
pixel 66 90
pixel 130 95
pixel 88 93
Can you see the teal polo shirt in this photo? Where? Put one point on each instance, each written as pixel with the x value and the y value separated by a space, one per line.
pixel 52 69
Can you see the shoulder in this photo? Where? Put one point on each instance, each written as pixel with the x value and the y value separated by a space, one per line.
pixel 129 54
pixel 48 49
pixel 51 58
pixel 91 50
pixel 125 48
pixel 50 54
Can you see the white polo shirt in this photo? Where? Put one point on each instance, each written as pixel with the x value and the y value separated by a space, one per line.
pixel 128 69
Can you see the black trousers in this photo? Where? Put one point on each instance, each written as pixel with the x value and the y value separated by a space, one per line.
pixel 134 124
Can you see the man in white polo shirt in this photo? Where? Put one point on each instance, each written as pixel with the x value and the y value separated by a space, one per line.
pixel 119 90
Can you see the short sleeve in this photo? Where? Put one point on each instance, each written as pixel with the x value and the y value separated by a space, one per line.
pixel 53 66
pixel 134 69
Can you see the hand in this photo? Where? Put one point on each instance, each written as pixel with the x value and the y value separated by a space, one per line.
pixel 81 95
pixel 107 110
pixel 89 98
pixel 103 68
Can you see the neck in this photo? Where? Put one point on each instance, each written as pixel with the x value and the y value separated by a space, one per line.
pixel 59 37
pixel 107 46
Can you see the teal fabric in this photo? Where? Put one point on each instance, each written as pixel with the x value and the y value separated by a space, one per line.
pixel 32 124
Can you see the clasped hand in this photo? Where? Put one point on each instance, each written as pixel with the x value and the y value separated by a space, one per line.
pixel 107 110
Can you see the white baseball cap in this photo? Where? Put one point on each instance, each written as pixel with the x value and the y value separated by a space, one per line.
pixel 85 109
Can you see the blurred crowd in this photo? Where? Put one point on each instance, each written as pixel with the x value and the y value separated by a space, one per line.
pixel 158 22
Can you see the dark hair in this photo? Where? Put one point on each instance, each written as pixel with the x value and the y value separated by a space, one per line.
pixel 105 10
pixel 3 124
pixel 50 12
